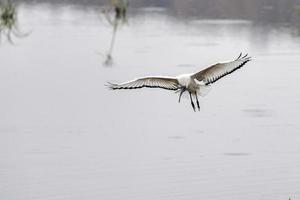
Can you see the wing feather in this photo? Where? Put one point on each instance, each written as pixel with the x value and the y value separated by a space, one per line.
pixel 219 70
pixel 167 83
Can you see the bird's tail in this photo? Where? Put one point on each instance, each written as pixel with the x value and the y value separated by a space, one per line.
pixel 203 90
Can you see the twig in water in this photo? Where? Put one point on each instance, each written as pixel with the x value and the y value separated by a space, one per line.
pixel 8 22
pixel 120 18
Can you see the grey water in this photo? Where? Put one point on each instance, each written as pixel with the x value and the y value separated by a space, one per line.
pixel 63 135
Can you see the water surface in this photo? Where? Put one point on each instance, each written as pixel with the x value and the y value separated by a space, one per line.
pixel 63 135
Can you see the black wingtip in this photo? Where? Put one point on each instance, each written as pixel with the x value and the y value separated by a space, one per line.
pixel 244 57
pixel 239 56
pixel 109 85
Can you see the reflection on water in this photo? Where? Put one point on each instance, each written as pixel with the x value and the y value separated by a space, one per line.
pixel 237 154
pixel 64 136
pixel 259 11
pixel 257 112
pixel 120 17
pixel 176 137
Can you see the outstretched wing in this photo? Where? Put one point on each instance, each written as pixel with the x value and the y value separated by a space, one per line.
pixel 167 83
pixel 219 70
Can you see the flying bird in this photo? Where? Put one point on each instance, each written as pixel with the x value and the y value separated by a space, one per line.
pixel 195 84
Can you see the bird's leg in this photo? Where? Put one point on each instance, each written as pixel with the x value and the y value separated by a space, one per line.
pixel 181 92
pixel 198 105
pixel 193 105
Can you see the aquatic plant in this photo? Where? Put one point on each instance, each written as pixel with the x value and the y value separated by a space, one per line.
pixel 116 15
pixel 297 9
pixel 8 22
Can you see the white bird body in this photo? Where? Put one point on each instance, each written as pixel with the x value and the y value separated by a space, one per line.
pixel 185 80
pixel 194 83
